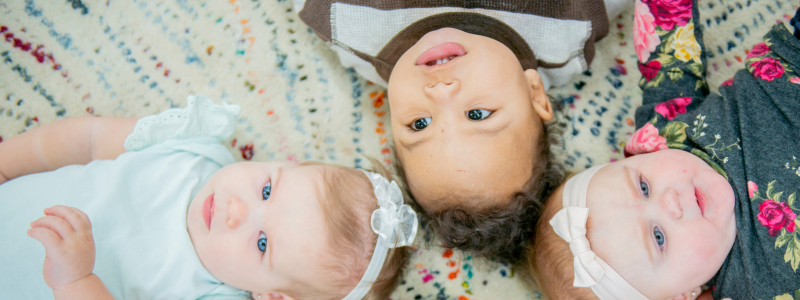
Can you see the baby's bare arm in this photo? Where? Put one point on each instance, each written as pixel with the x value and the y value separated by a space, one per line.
pixel 65 142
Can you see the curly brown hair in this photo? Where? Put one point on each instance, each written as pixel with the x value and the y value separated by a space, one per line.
pixel 502 231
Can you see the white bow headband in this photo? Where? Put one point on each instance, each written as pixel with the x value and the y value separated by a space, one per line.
pixel 396 226
pixel 570 224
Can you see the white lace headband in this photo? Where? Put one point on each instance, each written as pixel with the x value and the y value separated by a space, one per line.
pixel 570 224
pixel 396 226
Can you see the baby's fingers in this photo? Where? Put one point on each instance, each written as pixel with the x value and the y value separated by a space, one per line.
pixel 56 224
pixel 48 238
pixel 76 218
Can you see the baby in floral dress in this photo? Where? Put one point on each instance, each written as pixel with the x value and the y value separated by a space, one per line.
pixel 708 192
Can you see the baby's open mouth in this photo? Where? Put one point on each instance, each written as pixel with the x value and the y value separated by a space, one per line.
pixel 701 201
pixel 441 54
pixel 208 210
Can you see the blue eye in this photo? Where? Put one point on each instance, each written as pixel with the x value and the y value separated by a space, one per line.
pixel 420 124
pixel 660 237
pixel 644 187
pixel 266 191
pixel 478 114
pixel 262 242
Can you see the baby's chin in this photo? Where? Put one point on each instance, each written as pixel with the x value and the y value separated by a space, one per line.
pixel 478 181
pixel 714 194
pixel 722 198
pixel 438 195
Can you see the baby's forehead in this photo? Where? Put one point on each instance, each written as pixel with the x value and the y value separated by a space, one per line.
pixel 302 246
pixel 611 185
pixel 619 241
pixel 613 209
pixel 307 269
pixel 614 225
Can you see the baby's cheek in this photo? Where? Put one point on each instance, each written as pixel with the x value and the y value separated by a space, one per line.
pixel 703 251
pixel 707 250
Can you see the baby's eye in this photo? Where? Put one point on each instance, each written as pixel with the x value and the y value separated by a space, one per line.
pixel 660 237
pixel 644 187
pixel 420 124
pixel 266 191
pixel 478 114
pixel 262 242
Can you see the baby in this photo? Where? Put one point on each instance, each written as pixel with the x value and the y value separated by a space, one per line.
pixel 175 218
pixel 466 85
pixel 708 193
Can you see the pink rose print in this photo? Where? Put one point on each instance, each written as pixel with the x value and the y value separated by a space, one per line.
pixel 650 69
pixel 775 216
pixel 795 80
pixel 758 50
pixel 669 13
pixel 645 38
pixel 752 187
pixel 645 140
pixel 728 82
pixel 672 108
pixel 767 69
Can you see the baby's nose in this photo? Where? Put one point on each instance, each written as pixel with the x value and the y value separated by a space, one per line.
pixel 443 91
pixel 670 203
pixel 237 212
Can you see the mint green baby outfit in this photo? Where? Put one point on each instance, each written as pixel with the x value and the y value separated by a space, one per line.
pixel 137 204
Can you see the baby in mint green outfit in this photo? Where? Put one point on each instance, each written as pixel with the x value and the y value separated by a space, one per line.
pixel 166 214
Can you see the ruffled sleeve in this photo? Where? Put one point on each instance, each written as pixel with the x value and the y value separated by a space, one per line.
pixel 201 120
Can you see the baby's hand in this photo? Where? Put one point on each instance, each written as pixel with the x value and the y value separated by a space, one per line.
pixel 66 235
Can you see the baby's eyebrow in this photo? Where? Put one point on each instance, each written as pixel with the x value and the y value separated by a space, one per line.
pixel 277 177
pixel 269 248
pixel 270 241
pixel 631 185
pixel 642 225
pixel 645 237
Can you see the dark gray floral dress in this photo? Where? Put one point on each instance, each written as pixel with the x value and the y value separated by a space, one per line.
pixel 750 134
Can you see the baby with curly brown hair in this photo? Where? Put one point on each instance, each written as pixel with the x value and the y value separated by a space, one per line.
pixel 467 81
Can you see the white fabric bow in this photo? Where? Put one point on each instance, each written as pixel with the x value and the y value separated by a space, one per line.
pixel 570 224
pixel 394 221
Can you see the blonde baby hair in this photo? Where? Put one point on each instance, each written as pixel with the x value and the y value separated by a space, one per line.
pixel 347 201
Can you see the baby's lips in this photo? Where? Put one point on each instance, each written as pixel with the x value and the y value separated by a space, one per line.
pixel 445 50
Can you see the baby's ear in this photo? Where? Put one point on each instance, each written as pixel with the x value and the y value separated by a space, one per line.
pixel 541 103
pixel 690 295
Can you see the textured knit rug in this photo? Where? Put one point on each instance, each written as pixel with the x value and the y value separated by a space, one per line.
pixel 138 57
